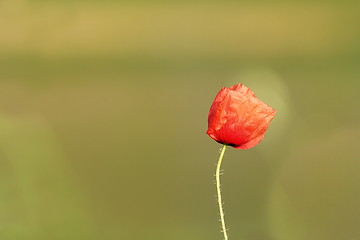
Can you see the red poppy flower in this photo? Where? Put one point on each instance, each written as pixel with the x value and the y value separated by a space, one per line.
pixel 237 118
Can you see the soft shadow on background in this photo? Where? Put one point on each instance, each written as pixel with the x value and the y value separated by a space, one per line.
pixel 103 113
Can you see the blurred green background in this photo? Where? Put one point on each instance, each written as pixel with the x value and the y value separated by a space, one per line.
pixel 103 113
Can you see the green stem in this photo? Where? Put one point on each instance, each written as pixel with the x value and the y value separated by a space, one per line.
pixel 219 192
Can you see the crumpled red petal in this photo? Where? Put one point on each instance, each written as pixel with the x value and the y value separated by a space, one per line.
pixel 238 118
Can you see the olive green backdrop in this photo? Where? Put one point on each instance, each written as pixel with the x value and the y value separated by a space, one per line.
pixel 103 114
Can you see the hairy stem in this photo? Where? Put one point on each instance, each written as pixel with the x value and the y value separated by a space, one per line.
pixel 218 167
